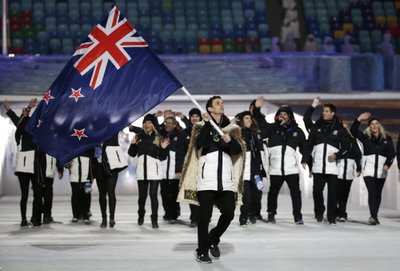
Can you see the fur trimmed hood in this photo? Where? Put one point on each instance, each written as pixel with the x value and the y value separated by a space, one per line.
pixel 190 172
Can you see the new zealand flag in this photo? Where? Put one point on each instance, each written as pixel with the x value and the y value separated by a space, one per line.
pixel 109 82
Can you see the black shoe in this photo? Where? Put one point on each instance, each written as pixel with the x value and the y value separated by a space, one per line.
pixel 140 220
pixel 103 223
pixel 112 223
pixel 373 221
pixel 243 224
pixel 154 225
pixel 203 258
pixel 173 221
pixel 258 217
pixel 299 222
pixel 319 218
pixel 271 219
pixel 252 219
pixel 214 251
pixel 47 220
pixel 74 220
pixel 24 224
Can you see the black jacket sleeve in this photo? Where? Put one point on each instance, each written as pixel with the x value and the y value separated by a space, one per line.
pixel 357 155
pixel 307 118
pixel 20 129
pixel 203 139
pixel 265 127
pixel 135 129
pixel 398 151
pixel 14 118
pixel 344 144
pixel 133 149
pixel 180 152
pixel 354 130
pixel 391 152
pixel 186 121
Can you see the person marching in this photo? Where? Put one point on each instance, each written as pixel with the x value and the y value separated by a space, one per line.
pixel 110 160
pixel 150 151
pixel 213 175
pixel 283 137
pixel 328 141
pixel 254 169
pixel 378 156
pixel 347 167
pixel 194 117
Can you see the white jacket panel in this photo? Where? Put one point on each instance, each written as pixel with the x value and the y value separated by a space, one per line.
pixel 171 170
pixel 153 170
pixel 208 168
pixel 318 160
pixel 368 166
pixel 116 157
pixel 74 170
pixel 25 161
pixel 350 169
pixel 289 163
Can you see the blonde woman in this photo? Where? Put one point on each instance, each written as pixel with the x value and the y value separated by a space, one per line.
pixel 150 151
pixel 378 156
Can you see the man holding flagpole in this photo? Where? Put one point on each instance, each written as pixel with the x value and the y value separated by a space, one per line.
pixel 213 175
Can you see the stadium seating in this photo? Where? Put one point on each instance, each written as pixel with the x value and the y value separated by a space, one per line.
pixel 365 20
pixel 170 26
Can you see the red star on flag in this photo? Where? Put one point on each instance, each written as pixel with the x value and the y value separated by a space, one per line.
pixel 79 133
pixel 76 94
pixel 47 96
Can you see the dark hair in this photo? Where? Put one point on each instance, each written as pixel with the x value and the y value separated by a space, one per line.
pixel 172 118
pixel 210 101
pixel 331 107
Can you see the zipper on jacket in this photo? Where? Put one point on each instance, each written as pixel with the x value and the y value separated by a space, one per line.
pixel 145 167
pixel 324 159
pixel 376 166
pixel 345 169
pixel 168 164
pixel 283 154
pixel 24 160
pixel 202 170
pixel 119 160
pixel 219 172
pixel 79 169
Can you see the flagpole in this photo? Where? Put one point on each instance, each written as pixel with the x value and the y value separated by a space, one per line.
pixel 202 110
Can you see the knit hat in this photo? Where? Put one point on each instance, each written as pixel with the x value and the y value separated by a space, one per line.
pixel 194 111
pixel 288 110
pixel 241 115
pixel 153 119
pixel 372 119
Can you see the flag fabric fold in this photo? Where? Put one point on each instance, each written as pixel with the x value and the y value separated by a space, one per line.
pixel 111 80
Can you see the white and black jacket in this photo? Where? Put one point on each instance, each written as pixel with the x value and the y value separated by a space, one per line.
pixel 80 170
pixel 215 160
pixel 149 155
pixel 113 159
pixel 352 163
pixel 282 143
pixel 254 162
pixel 325 138
pixel 377 152
pixel 173 162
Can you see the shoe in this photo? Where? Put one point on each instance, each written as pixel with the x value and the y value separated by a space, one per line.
pixel 193 224
pixel 24 224
pixel 299 222
pixel 271 219
pixel 319 218
pixel 252 219
pixel 332 223
pixel 154 225
pixel 47 219
pixel 373 221
pixel 243 224
pixel 172 221
pixel 112 223
pixel 203 258
pixel 86 221
pixel 341 219
pixel 103 223
pixel 140 220
pixel 258 217
pixel 74 220
pixel 214 251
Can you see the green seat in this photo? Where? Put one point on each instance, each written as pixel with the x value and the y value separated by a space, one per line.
pixel 229 46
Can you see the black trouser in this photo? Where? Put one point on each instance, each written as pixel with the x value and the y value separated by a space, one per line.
pixel 24 180
pixel 194 213
pixel 343 191
pixel 143 187
pixel 225 201
pixel 250 197
pixel 37 202
pixel 80 201
pixel 256 206
pixel 106 185
pixel 169 193
pixel 374 187
pixel 318 189
pixel 47 194
pixel 295 194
